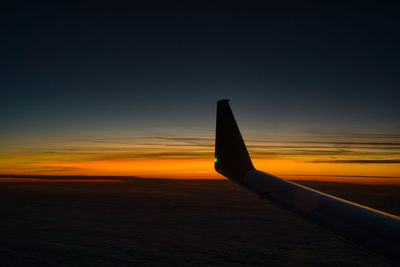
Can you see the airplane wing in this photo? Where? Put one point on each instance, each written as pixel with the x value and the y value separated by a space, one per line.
pixel 374 230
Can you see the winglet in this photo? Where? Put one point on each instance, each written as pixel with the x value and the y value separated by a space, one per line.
pixel 231 157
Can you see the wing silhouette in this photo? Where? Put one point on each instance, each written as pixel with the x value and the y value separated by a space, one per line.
pixel 374 230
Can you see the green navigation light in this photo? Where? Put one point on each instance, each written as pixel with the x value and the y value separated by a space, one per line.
pixel 215 160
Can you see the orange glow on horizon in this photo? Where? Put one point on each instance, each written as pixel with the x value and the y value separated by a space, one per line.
pixel 361 158
pixel 203 168
pixel 152 168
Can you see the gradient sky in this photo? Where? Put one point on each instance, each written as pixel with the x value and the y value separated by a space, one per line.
pixel 117 88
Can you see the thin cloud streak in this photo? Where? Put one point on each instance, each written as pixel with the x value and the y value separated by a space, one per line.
pixel 360 161
pixel 200 147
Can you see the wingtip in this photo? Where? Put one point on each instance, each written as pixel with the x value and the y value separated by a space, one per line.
pixel 231 156
pixel 223 101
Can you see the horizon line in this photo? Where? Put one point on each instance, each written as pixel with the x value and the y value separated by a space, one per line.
pixel 133 177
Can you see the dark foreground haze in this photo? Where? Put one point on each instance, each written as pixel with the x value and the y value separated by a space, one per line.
pixel 171 222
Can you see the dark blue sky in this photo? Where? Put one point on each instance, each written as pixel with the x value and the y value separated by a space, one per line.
pixel 114 67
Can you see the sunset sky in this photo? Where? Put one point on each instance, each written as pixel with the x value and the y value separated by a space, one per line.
pixel 131 89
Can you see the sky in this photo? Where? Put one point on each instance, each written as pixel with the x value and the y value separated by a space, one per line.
pixel 130 87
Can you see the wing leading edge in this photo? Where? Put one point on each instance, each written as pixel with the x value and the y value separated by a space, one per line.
pixel 369 228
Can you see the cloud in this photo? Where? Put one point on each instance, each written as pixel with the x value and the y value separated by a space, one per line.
pixel 361 161
pixel 69 177
pixel 338 175
pixel 151 155
pixel 153 139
